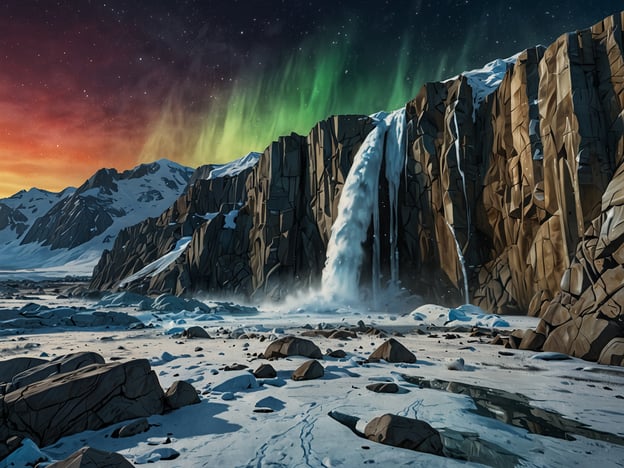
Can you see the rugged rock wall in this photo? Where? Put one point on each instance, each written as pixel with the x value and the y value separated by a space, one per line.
pixel 203 203
pixel 540 168
pixel 285 206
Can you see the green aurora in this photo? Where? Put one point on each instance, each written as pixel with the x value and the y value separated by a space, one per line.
pixel 308 86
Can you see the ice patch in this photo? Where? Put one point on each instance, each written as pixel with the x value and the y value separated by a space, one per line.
pixel 160 265
pixel 467 314
pixel 484 81
pixel 230 220
pixel 235 167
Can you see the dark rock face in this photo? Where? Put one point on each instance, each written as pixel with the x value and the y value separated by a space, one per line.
pixel 93 207
pixel 14 219
pixel 542 161
pixel 524 179
pixel 88 398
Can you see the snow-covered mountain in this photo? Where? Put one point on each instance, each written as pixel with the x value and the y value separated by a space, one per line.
pixel 19 211
pixel 49 233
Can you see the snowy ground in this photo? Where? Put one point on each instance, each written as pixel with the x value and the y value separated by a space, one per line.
pixel 226 429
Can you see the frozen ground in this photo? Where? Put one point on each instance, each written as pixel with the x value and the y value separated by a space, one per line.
pixel 280 422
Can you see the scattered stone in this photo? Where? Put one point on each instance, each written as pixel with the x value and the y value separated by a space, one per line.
pixel 180 394
pixel 383 387
pixel 265 371
pixel 292 346
pixel 195 332
pixel 309 370
pixel 399 431
pixel 235 367
pixel 338 353
pixel 392 351
pixel 456 364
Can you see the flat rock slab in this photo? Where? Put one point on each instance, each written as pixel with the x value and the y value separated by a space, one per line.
pixel 89 398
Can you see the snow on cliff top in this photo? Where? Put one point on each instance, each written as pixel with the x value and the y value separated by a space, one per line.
pixel 235 167
pixel 484 81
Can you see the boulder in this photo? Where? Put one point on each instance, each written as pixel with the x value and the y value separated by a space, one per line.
pixel 180 394
pixel 292 346
pixel 392 351
pixel 337 353
pixel 195 332
pixel 399 431
pixel 88 398
pixel 613 353
pixel 265 371
pixel 532 341
pixel 309 370
pixel 383 387
pixel 88 457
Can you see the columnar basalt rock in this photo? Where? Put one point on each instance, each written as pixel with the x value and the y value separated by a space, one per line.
pixel 511 184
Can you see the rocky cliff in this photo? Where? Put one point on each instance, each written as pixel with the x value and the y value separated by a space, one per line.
pixel 511 192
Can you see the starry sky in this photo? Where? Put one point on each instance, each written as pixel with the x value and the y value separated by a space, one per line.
pixel 86 84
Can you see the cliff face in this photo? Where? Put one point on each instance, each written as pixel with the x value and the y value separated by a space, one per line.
pixel 512 193
pixel 261 231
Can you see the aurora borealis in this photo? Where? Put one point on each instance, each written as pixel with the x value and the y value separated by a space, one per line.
pixel 90 84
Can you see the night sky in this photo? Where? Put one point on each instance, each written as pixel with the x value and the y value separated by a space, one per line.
pixel 86 84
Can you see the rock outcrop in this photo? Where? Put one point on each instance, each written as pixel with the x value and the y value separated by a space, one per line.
pixel 510 197
pixel 87 398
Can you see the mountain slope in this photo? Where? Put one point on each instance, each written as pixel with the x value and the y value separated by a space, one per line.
pixel 75 226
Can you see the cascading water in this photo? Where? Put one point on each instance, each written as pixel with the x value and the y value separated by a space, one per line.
pixel 460 254
pixel 359 202
pixel 462 263
pixel 395 163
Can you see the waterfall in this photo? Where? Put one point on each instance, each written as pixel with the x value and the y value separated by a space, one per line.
pixel 462 263
pixel 460 253
pixel 359 203
pixel 396 160
pixel 459 166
